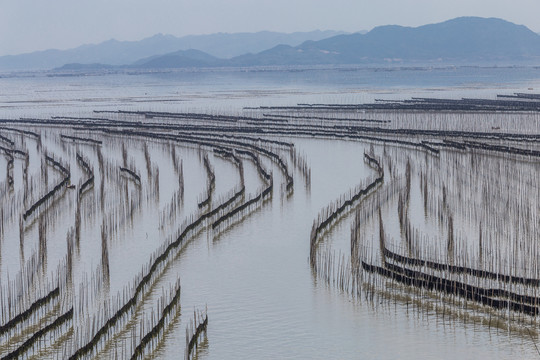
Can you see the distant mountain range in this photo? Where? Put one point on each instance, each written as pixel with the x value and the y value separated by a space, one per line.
pixel 465 40
pixel 113 52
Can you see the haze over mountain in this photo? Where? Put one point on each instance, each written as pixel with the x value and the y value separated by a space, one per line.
pixel 113 52
pixel 466 39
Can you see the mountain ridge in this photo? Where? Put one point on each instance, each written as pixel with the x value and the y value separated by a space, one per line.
pixel 114 52
pixel 459 41
pixel 463 40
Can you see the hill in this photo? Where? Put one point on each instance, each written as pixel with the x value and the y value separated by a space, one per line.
pixel 115 52
pixel 466 39
pixel 460 41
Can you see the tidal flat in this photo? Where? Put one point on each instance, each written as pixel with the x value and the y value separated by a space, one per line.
pixel 337 214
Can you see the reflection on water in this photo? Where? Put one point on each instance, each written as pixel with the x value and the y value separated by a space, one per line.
pixel 263 299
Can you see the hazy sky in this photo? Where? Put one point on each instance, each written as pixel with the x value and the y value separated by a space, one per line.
pixel 28 25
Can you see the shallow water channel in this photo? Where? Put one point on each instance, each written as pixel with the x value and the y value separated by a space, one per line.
pixel 254 278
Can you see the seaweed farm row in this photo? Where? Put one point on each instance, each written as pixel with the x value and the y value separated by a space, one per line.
pixel 100 212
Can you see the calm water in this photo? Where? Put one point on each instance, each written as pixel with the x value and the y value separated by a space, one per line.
pixel 43 96
pixel 263 300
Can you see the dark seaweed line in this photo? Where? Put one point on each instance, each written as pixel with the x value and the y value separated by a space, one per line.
pixel 362 192
pixel 461 269
pixel 263 140
pixel 7 151
pixel 63 123
pixel 483 146
pixel 157 136
pixel 503 149
pixel 288 177
pixel 229 153
pixel 325 118
pixel 171 127
pixel 521 96
pixel 109 323
pixel 24 132
pixel 357 136
pixel 79 118
pixel 202 218
pixel 13 151
pixel 236 195
pixel 90 180
pixel 131 302
pixel 282 130
pixel 199 141
pixel 272 155
pixel 346 130
pixel 146 279
pixel 349 135
pixel 258 128
pixel 193 341
pixel 450 287
pixel 349 202
pixel 132 173
pixel 51 193
pixel 245 205
pixel 446 144
pixel 260 169
pixel 9 165
pixel 57 165
pixel 28 312
pixel 28 343
pixel 7 140
pixel 240 137
pixel 190 116
pixel 375 163
pixel 471 101
pixel 76 138
pixel 498 293
pixel 351 132
pixel 154 332
pixel 211 182
pixel 430 104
